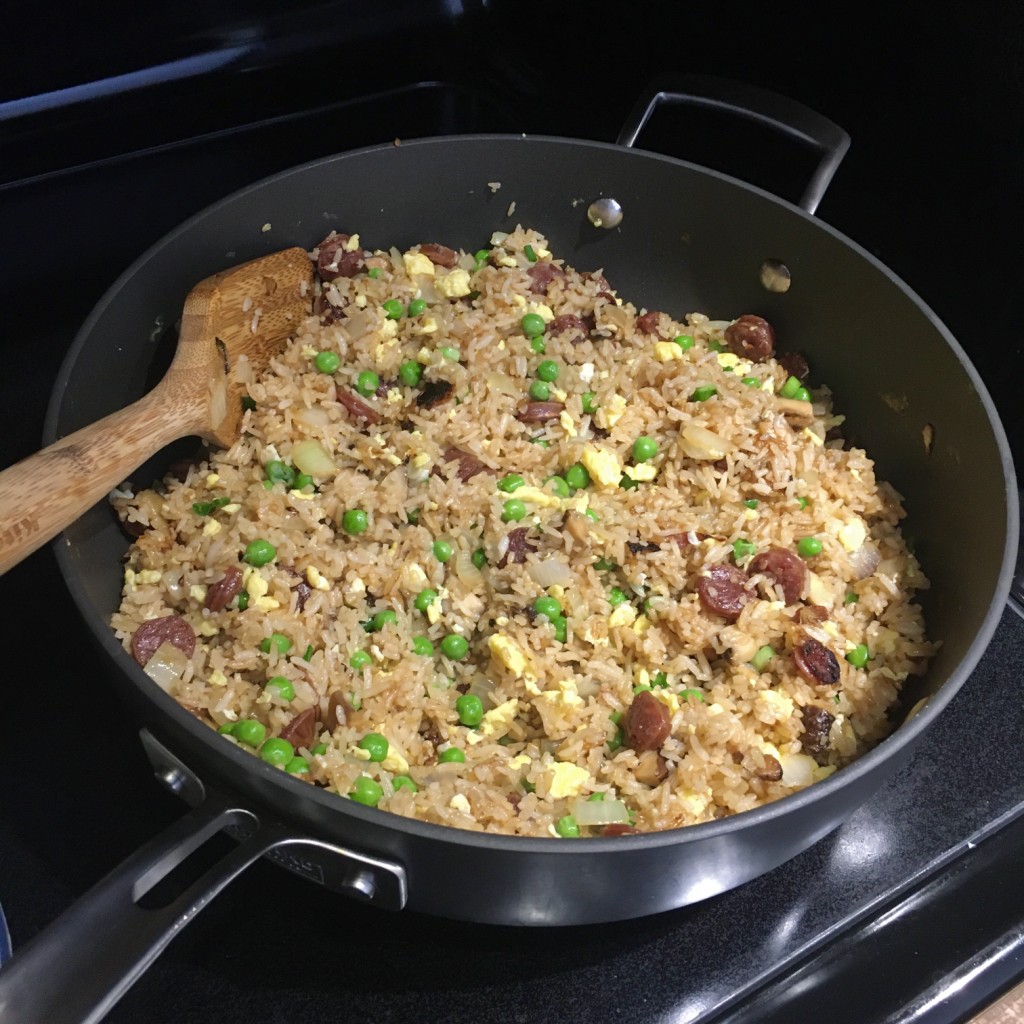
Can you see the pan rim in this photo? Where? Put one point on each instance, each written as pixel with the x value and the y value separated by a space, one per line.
pixel 905 736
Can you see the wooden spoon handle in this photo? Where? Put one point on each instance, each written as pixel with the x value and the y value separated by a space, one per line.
pixel 42 494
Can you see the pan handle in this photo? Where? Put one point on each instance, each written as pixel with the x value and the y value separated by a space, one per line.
pixel 756 104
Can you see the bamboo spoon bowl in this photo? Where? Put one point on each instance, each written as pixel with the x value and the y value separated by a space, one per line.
pixel 232 324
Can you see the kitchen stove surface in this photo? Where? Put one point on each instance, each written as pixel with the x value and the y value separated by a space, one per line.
pixel 910 911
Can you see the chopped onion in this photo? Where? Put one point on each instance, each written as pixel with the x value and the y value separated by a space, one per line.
pixel 503 384
pixel 865 560
pixel 599 812
pixel 465 570
pixel 318 416
pixel 167 666
pixel 425 288
pixel 310 457
pixel 359 324
pixel 550 572
pixel 699 443
pixel 797 769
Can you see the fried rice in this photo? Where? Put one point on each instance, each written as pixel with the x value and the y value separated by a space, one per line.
pixel 498 550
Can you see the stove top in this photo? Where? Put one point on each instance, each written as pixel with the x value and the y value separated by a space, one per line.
pixel 908 912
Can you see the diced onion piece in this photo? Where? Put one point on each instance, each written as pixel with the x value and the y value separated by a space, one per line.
pixel 316 417
pixel 359 323
pixel 865 560
pixel 465 570
pixel 699 443
pixel 310 457
pixel 797 769
pixel 599 812
pixel 550 572
pixel 503 384
pixel 166 666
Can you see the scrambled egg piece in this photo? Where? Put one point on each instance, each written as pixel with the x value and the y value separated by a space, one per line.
pixel 817 592
pixel 519 761
pixel 267 604
pixel 544 312
pixel 509 654
pixel 644 471
pixel 207 628
pixel 213 478
pixel 496 722
pixel 454 284
pixel 772 707
pixel 624 615
pixel 812 436
pixel 352 244
pixel 696 803
pixel 395 762
pixel 853 534
pixel 460 803
pixel 254 584
pixel 535 496
pixel 732 361
pixel 642 624
pixel 389 329
pixel 567 423
pixel 144 577
pixel 802 770
pixel 428 325
pixel 197 592
pixel 566 695
pixel 667 697
pixel 610 414
pixel 604 467
pixel 567 780
pixel 217 678
pixel 666 351
pixel 417 263
pixel 315 579
pixel 212 528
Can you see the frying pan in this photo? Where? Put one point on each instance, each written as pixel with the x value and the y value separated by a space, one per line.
pixel 690 239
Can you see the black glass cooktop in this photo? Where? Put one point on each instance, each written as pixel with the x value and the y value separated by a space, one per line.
pixel 908 912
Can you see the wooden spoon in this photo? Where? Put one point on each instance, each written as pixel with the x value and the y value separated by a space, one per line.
pixel 242 314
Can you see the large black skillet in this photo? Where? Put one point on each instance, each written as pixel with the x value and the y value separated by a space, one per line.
pixel 690 239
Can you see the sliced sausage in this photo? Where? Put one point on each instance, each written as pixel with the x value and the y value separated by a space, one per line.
pixel 440 255
pixel 170 629
pixel 815 662
pixel 327 311
pixel 434 392
pixel 723 591
pixel 540 412
pixel 220 594
pixel 542 274
pixel 647 723
pixel 619 829
pixel 642 547
pixel 771 771
pixel 817 726
pixel 569 323
pixel 301 730
pixel 333 261
pixel 794 364
pixel 469 465
pixel 518 547
pixel 338 710
pixel 786 568
pixel 648 323
pixel 811 614
pixel 751 337
pixel 651 768
pixel 357 407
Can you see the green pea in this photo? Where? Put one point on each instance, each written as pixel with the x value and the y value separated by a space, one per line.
pixel 548 370
pixel 542 442
pixel 627 483
pixel 642 689
pixel 359 660
pixel 751 503
pixel 393 309
pixel 591 514
pixel 327 362
pixel 561 628
pixel 751 382
pixel 759 662
pixel 355 521
pixel 595 798
pixel 450 353
pixel 451 756
pixel 417 307
pixel 373 272
pixel 413 517
pixel 404 782
pixel 604 565
pixel 616 596
pixel 851 597
pixel 297 766
pixel 528 786
pixel 549 606
pixel 421 645
pixel 529 253
pixel 375 745
pixel 513 510
pixel 204 508
pixel 410 373
pixel 859 656
pixel 803 502
pixel 424 599
pixel 790 388
pixel 808 547
pixel 742 549
pixel 559 485
pixel 802 395
pixel 382 618
pixel 588 401
pixel 443 550
pixel 276 641
pixel 454 646
pixel 259 552
pixel 540 390
pixel 684 341
pixel 697 695
pixel 567 828
pixel 282 687
pixel 511 482
pixel 470 709
pixel 248 403
pixel 319 750
pixel 703 393
pixel 644 449
pixel 660 679
pixel 479 558
pixel 532 324
pixel 243 600
pixel 715 345
pixel 577 477
pixel 481 256
pixel 367 383
pixel 279 473
pixel 538 346
pixel 302 481
pixel 227 729
pixel 366 791
pixel 277 751
pixel 250 732
pixel 616 741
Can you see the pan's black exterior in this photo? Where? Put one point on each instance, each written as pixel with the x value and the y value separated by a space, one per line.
pixel 690 240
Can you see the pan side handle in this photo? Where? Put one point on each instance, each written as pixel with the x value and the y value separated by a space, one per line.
pixel 79 967
pixel 781 113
